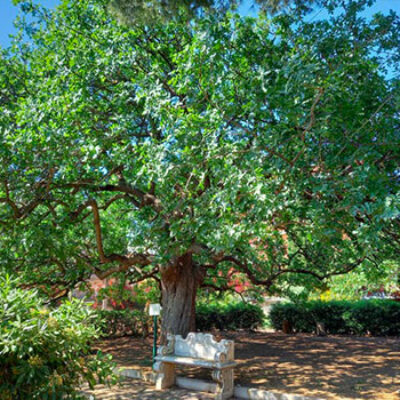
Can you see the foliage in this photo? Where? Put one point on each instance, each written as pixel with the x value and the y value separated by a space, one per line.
pixel 375 317
pixel 124 322
pixel 231 316
pixel 226 297
pixel 209 316
pixel 45 353
pixel 269 145
pixel 122 295
pixel 353 285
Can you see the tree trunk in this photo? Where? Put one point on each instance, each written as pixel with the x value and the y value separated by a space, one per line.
pixel 179 284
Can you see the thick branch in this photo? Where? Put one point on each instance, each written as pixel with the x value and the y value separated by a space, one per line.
pixel 269 281
pixel 125 261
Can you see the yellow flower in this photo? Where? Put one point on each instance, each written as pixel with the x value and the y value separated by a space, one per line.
pixel 43 313
pixel 52 323
pixel 55 380
pixel 35 361
pixel 69 331
pixel 58 379
pixel 5 395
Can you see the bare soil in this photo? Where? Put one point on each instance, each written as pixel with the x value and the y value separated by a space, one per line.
pixel 132 389
pixel 332 367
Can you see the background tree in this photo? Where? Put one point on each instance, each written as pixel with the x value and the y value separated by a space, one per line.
pixel 383 281
pixel 180 151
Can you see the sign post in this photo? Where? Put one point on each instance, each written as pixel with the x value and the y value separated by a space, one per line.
pixel 155 311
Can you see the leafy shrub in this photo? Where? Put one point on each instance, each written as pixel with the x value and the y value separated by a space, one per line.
pixel 331 314
pixel 124 322
pixel 375 317
pixel 45 353
pixel 232 316
pixel 225 316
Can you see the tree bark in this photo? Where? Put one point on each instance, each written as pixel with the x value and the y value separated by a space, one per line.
pixel 179 283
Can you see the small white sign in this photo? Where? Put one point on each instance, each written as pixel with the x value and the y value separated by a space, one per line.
pixel 154 309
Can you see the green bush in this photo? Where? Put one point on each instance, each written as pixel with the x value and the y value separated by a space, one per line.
pixel 124 322
pixel 375 317
pixel 45 353
pixel 331 314
pixel 232 316
pixel 225 316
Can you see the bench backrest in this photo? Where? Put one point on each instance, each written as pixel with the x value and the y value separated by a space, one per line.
pixel 203 346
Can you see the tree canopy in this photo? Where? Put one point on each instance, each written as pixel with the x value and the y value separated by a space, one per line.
pixel 180 151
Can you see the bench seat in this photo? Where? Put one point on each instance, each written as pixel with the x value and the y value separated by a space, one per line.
pixel 196 362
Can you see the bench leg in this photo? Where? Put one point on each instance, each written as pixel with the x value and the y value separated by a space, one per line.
pixel 165 375
pixel 224 379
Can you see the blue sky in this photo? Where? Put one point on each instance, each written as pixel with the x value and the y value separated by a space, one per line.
pixel 8 12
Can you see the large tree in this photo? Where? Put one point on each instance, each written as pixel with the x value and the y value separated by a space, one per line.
pixel 180 151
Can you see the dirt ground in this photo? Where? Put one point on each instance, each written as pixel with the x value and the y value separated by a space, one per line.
pixel 134 389
pixel 333 368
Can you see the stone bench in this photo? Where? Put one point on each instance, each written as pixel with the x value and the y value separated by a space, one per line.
pixel 197 350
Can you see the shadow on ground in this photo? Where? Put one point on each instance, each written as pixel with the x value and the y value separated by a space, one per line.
pixel 335 367
pixel 136 390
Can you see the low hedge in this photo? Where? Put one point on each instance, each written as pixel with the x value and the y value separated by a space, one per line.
pixel 228 316
pixel 208 317
pixel 374 317
pixel 124 323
